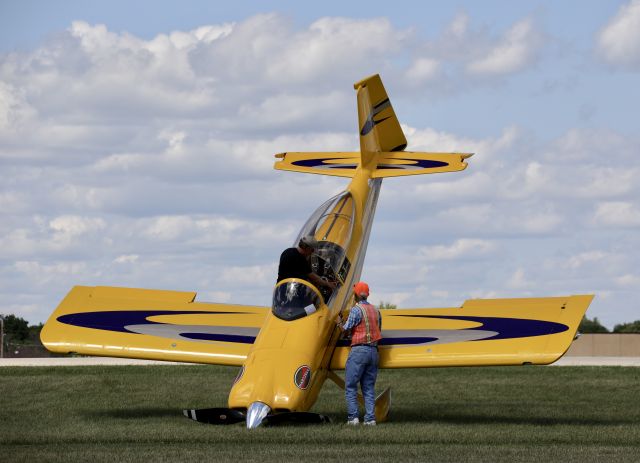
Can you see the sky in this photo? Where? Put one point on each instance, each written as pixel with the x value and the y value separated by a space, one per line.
pixel 137 143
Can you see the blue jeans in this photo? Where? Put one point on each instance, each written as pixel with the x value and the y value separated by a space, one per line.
pixel 362 367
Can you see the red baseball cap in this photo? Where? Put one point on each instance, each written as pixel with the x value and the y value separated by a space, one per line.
pixel 361 289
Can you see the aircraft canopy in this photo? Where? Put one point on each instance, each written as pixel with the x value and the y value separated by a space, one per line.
pixel 332 226
pixel 294 298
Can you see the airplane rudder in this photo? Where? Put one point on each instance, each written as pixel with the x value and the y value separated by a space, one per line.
pixel 377 122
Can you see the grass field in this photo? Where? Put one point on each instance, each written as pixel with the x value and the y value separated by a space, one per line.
pixel 133 413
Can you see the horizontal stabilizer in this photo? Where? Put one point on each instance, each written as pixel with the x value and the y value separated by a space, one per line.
pixel 389 164
pixel 396 164
pixel 340 164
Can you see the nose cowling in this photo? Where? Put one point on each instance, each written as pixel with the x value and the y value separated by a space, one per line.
pixel 270 378
pixel 256 412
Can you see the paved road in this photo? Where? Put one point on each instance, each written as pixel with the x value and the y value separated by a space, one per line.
pixel 77 361
pixel 599 361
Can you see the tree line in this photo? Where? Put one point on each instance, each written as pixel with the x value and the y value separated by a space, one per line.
pixel 594 326
pixel 18 333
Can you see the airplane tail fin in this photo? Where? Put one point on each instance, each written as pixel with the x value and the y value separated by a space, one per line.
pixel 379 127
pixel 382 145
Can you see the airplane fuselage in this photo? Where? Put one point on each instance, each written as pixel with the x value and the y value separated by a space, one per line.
pixel 301 349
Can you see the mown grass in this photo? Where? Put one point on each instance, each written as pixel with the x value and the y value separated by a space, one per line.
pixel 133 413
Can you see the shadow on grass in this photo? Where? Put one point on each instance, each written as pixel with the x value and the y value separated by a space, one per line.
pixel 136 413
pixel 429 416
pixel 398 415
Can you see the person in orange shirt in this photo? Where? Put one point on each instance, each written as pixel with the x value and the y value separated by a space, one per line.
pixel 365 324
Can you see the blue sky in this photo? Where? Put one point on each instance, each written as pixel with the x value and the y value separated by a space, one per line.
pixel 136 144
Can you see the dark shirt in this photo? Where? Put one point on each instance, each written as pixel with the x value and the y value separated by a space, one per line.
pixel 293 265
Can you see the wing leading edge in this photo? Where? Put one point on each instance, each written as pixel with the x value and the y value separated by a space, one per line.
pixel 481 332
pixel 152 324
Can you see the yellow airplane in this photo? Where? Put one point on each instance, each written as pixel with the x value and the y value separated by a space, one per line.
pixel 287 351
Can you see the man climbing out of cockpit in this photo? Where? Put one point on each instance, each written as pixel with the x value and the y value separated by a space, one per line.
pixel 294 263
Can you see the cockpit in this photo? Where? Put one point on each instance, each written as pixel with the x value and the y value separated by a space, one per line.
pixel 332 226
pixel 294 298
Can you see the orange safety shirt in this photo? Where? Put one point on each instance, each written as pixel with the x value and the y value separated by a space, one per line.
pixel 368 330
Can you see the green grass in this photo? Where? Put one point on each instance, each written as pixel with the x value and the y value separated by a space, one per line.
pixel 133 413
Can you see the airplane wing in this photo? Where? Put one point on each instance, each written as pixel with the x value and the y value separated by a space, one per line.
pixel 152 324
pixel 481 332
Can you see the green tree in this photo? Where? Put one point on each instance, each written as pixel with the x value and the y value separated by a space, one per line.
pixel 386 305
pixel 592 326
pixel 34 332
pixel 632 327
pixel 16 329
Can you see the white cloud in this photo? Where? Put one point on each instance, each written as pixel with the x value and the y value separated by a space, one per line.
pixel 459 26
pixel 423 70
pixel 62 234
pixel 42 273
pixel 586 258
pixel 168 227
pixel 537 218
pixel 519 280
pixel 594 144
pixel 126 259
pixel 74 225
pixel 617 214
pixel 468 53
pixel 14 109
pixel 473 216
pixel 397 298
pixel 250 275
pixel 516 50
pixel 462 248
pixel 334 43
pixel 629 280
pixel 214 296
pixel 543 221
pixel 218 231
pixel 618 43
pixel 12 202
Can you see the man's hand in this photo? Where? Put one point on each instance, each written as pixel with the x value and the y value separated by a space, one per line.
pixel 319 281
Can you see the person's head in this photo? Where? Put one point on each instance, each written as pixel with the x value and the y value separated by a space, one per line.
pixel 307 245
pixel 361 291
